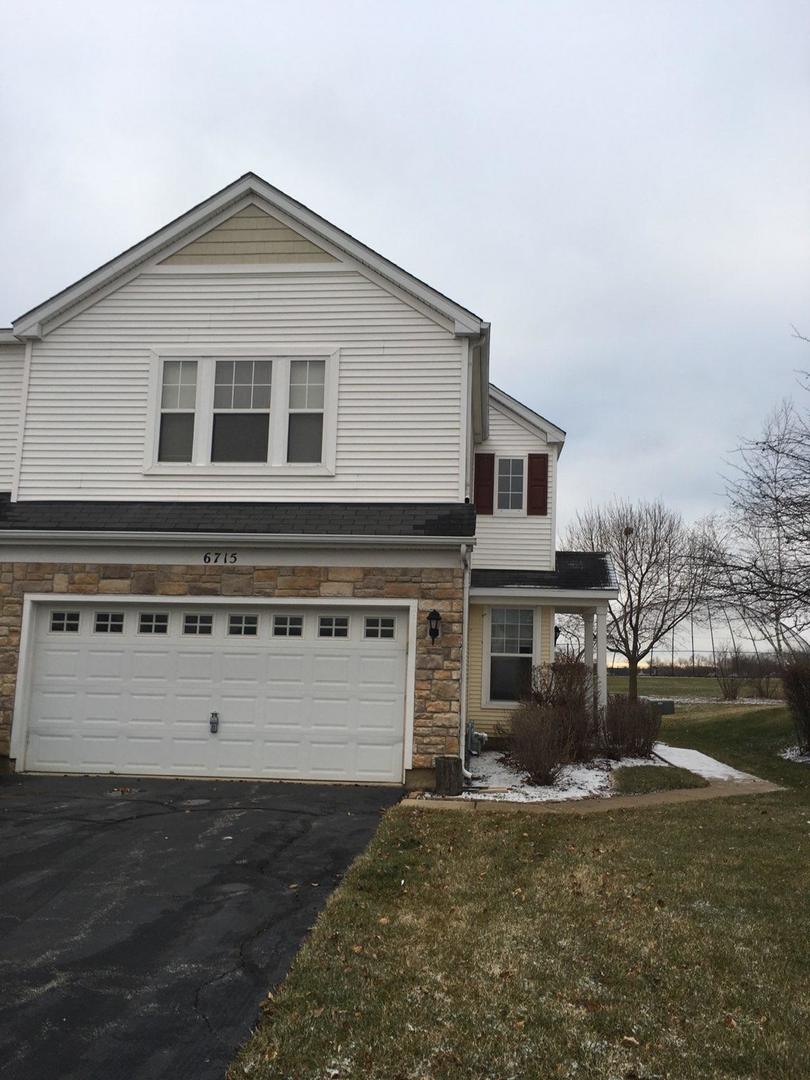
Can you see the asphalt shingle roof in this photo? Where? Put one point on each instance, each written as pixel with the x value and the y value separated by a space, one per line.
pixel 325 518
pixel 574 570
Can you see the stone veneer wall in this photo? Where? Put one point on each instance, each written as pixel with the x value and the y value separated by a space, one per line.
pixel 438 666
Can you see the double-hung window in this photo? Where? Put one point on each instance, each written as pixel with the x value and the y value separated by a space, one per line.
pixel 511 474
pixel 241 427
pixel 178 403
pixel 511 648
pixel 274 412
pixel 305 427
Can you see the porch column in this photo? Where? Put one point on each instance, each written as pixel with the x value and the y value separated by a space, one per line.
pixel 601 658
pixel 587 655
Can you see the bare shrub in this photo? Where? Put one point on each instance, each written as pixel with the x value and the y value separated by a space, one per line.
pixel 796 683
pixel 564 688
pixel 727 673
pixel 541 741
pixel 631 727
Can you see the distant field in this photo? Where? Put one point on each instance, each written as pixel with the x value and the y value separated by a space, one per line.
pixel 667 686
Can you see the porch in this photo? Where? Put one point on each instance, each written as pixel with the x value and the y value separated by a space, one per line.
pixel 511 630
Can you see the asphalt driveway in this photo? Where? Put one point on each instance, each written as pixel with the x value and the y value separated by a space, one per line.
pixel 142 922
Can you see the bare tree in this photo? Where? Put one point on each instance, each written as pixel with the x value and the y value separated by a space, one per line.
pixel 661 568
pixel 760 551
pixel 570 641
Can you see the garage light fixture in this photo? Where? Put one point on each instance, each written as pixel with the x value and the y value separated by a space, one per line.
pixel 434 619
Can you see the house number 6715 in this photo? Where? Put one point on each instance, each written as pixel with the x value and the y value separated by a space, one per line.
pixel 220 557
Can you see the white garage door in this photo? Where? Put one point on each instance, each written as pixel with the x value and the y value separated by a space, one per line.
pixel 308 693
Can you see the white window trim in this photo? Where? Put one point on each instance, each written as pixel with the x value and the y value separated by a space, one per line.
pixel 511 513
pixel 277 464
pixel 486 700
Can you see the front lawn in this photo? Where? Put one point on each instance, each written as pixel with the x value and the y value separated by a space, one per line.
pixel 680 686
pixel 642 779
pixel 657 943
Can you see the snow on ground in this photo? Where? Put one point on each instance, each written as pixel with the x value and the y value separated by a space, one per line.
pixel 707 767
pixel 793 754
pixel 719 701
pixel 573 781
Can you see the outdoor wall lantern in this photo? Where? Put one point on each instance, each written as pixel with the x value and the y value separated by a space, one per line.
pixel 434 618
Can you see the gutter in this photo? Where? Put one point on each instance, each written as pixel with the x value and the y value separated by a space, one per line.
pixel 109 537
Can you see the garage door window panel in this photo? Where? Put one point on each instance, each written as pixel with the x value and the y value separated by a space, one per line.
pixel 109 622
pixel 243 625
pixel 333 626
pixel 198 625
pixel 379 627
pixel 153 622
pixel 288 626
pixel 65 622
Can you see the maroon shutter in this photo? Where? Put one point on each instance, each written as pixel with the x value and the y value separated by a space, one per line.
pixel 484 482
pixel 537 486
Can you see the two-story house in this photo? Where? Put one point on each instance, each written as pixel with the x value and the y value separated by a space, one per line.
pixel 265 516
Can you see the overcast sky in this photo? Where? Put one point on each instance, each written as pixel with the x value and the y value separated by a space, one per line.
pixel 621 189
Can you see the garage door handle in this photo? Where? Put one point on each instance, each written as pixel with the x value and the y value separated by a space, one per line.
pixel 213 723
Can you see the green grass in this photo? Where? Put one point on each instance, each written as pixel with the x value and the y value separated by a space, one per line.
pixel 642 779
pixel 668 942
pixel 666 686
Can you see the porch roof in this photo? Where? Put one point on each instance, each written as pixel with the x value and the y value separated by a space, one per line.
pixel 575 571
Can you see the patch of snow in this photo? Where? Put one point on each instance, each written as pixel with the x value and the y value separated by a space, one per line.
pixel 588 781
pixel 794 754
pixel 707 767
pixel 632 762
pixel 719 701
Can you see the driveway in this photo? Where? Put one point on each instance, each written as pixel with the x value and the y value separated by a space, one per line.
pixel 143 921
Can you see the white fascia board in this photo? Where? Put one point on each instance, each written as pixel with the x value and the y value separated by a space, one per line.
pixel 200 215
pixel 553 433
pixel 567 596
pixel 8 337
pixel 62 536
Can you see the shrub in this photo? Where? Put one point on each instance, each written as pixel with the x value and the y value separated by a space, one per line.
pixel 727 673
pixel 541 741
pixel 563 688
pixel 631 727
pixel 796 683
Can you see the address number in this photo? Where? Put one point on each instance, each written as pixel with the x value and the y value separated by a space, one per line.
pixel 221 557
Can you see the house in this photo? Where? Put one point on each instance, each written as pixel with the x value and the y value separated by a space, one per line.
pixel 263 514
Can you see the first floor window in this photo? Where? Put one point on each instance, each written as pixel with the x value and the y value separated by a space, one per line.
pixel 511 649
pixel 510 483
pixel 178 401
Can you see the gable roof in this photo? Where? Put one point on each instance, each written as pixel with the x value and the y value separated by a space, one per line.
pixel 206 215
pixel 526 415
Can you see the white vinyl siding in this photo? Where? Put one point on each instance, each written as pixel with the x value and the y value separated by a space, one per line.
pixel 399 425
pixel 12 360
pixel 513 540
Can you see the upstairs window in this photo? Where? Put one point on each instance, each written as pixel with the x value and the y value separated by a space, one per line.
pixel 241 429
pixel 511 472
pixel 178 401
pixel 305 428
pixel 220 413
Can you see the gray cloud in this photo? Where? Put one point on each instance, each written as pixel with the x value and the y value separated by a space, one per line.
pixel 621 189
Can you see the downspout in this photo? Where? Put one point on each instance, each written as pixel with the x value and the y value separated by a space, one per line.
pixel 465 619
